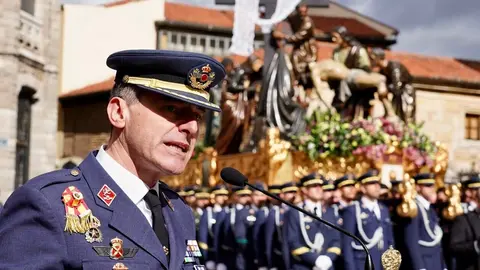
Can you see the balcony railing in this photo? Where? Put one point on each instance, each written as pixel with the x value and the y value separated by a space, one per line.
pixel 30 37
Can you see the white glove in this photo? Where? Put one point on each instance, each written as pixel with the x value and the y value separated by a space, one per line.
pixel 274 268
pixel 323 262
pixel 210 265
pixel 263 268
pixel 221 266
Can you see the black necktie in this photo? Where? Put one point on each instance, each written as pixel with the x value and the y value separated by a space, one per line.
pixel 159 226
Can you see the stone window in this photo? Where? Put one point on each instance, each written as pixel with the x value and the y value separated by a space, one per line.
pixel 472 126
pixel 28 6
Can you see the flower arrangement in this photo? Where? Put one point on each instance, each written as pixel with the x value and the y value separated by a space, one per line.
pixel 329 136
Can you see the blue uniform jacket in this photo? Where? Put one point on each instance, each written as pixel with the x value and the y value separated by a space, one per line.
pixel 422 242
pixel 208 235
pixel 243 231
pixel 274 243
pixel 363 223
pixel 258 236
pixel 33 221
pixel 301 232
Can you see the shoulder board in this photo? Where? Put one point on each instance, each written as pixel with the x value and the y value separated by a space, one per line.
pixel 55 177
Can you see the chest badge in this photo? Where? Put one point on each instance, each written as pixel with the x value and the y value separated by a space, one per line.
pixel 120 266
pixel 78 217
pixel 116 251
pixel 93 235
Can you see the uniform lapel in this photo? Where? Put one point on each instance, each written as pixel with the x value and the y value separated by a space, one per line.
pixel 178 247
pixel 126 217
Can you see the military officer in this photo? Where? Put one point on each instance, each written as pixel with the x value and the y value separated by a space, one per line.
pixel 234 240
pixel 111 212
pixel 259 228
pixel 245 221
pixel 346 187
pixel 469 203
pixel 274 243
pixel 189 195
pixel 369 220
pixel 311 243
pixel 290 191
pixel 210 222
pixel 423 248
pixel 202 201
pixel 465 232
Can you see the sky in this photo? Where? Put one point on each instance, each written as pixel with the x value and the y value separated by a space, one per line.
pixel 429 27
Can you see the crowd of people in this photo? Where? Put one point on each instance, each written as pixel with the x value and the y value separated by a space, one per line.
pixel 240 228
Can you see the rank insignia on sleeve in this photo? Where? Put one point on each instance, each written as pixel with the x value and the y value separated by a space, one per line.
pixel 79 218
pixel 199 267
pixel 107 195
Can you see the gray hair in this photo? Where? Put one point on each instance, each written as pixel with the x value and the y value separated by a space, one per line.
pixel 127 92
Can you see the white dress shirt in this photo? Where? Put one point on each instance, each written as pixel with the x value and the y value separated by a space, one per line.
pixel 372 206
pixel 131 185
pixel 423 202
pixel 313 207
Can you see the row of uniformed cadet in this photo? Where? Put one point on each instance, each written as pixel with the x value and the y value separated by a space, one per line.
pixel 251 234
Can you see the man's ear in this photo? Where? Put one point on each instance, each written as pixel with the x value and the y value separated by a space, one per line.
pixel 117 112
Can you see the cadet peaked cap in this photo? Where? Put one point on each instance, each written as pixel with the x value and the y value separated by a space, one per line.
pixel 180 75
pixel 473 182
pixel 371 176
pixel 426 179
pixel 202 193
pixel 290 186
pixel 346 180
pixel 275 189
pixel 220 190
pixel 312 179
pixel 328 185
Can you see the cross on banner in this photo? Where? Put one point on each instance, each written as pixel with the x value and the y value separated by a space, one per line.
pixel 269 10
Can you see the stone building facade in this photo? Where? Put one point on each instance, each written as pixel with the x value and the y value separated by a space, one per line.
pixel 29 53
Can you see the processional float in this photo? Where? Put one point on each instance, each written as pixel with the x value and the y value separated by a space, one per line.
pixel 347 114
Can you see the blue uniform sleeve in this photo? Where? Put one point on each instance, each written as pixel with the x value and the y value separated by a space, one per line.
pixel 259 237
pixel 269 232
pixel 240 228
pixel 203 234
pixel 334 245
pixel 411 243
pixel 296 245
pixel 285 248
pixel 349 224
pixel 30 235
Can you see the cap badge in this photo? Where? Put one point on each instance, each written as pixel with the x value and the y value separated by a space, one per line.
pixel 201 78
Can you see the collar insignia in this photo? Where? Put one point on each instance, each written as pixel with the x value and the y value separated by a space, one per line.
pixel 107 195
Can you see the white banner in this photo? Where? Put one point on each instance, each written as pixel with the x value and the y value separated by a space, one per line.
pixel 246 13
pixel 246 17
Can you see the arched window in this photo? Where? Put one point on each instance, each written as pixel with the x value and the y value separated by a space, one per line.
pixel 24 116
